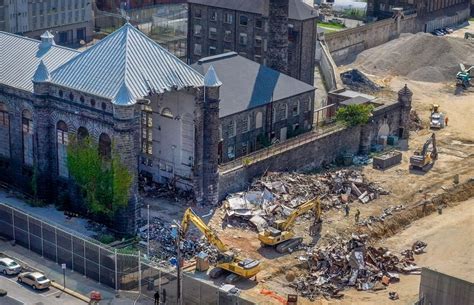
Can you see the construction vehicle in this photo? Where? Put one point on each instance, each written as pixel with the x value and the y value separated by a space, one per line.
pixel 425 157
pixel 468 35
pixel 227 260
pixel 464 77
pixel 280 233
pixel 436 117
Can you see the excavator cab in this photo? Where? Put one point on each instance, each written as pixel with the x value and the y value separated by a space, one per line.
pixel 423 159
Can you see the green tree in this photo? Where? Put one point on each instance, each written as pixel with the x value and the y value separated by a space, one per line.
pixel 353 115
pixel 105 184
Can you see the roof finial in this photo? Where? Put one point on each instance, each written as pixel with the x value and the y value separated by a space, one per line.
pixel 41 74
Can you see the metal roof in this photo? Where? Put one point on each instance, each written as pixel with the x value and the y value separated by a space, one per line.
pixel 126 59
pixel 247 84
pixel 20 57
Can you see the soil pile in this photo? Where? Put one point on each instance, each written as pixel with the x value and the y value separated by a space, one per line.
pixel 421 57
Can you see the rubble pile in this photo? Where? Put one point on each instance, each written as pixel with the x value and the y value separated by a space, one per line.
pixel 358 81
pixel 275 195
pixel 415 121
pixel 386 213
pixel 353 263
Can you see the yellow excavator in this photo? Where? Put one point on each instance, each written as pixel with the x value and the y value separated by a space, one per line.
pixel 425 157
pixel 226 260
pixel 280 233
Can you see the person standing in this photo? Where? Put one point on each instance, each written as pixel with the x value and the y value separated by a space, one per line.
pixel 346 208
pixel 157 297
pixel 446 121
pixel 357 215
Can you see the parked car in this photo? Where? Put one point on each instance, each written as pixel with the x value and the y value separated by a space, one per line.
pixel 448 30
pixel 36 280
pixel 438 33
pixel 9 266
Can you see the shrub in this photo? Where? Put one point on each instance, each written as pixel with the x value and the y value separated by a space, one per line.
pixel 353 115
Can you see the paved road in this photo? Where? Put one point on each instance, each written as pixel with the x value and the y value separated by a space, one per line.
pixel 19 294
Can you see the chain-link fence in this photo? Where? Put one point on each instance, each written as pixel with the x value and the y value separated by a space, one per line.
pixel 106 265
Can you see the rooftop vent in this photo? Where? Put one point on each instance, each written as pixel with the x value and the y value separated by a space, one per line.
pixel 47 40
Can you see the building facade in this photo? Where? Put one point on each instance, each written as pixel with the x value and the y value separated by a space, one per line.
pixel 135 99
pixel 424 8
pixel 258 30
pixel 69 20
pixel 259 106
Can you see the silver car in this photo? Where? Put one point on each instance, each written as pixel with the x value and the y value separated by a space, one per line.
pixel 34 279
pixel 9 266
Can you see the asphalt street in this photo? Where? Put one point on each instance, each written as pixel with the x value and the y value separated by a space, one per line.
pixel 20 294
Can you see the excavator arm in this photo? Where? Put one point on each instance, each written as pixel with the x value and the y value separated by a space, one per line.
pixel 305 207
pixel 210 235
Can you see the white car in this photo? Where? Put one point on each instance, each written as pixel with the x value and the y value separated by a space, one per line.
pixel 36 280
pixel 9 266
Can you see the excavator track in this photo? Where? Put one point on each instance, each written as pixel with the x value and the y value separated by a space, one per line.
pixel 216 272
pixel 232 278
pixel 289 245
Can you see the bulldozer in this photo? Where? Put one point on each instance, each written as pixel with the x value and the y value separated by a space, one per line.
pixel 436 117
pixel 425 157
pixel 464 77
pixel 280 233
pixel 237 266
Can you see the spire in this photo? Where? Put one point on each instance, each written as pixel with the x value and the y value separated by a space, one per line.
pixel 41 74
pixel 124 96
pixel 405 91
pixel 210 79
pixel 47 40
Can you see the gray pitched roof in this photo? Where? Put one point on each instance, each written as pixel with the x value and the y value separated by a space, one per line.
pixel 247 84
pixel 126 65
pixel 20 57
pixel 298 10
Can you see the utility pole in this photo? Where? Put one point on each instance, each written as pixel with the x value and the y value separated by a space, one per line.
pixel 148 234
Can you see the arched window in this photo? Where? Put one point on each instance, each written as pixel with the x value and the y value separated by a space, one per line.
pixel 259 120
pixel 93 102
pixel 82 134
pixel 296 108
pixel 71 97
pixel 187 139
pixel 62 139
pixel 27 131
pixel 105 146
pixel 166 112
pixel 4 131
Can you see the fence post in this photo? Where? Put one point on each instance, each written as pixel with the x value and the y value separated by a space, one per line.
pixel 139 273
pixel 85 265
pixel 42 239
pixel 116 271
pixel 72 253
pixel 13 224
pixel 99 265
pixel 28 228
pixel 56 239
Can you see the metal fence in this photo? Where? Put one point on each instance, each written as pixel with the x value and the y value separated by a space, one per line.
pixel 106 265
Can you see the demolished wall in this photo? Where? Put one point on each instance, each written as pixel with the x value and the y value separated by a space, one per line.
pixel 442 289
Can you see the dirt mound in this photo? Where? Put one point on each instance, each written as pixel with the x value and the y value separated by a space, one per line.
pixel 421 57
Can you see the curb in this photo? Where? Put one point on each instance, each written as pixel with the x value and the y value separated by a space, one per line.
pixel 71 292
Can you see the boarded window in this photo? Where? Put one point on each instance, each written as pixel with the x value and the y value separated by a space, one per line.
pixel 27 124
pixel 147 130
pixel 105 146
pixel 4 132
pixel 259 120
pixel 187 140
pixel 82 134
pixel 62 142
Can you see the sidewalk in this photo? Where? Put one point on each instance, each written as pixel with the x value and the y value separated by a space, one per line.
pixel 74 281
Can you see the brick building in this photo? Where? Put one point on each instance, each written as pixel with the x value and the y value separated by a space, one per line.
pixel 258 105
pixel 278 33
pixel 70 20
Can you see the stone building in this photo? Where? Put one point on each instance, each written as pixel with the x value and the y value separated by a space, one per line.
pixel 278 33
pixel 69 20
pixel 137 100
pixel 259 105
pixel 424 8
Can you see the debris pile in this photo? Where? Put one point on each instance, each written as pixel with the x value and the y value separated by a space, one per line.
pixel 275 195
pixel 415 121
pixel 357 81
pixel 352 264
pixel 386 213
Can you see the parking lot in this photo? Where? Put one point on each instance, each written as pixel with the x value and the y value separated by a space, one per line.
pixel 20 294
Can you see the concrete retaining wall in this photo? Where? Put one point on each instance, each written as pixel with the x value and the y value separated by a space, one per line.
pixel 442 22
pixel 441 289
pixel 327 66
pixel 307 156
pixel 345 45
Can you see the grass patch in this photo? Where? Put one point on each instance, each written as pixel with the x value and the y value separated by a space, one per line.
pixel 334 26
pixel 471 19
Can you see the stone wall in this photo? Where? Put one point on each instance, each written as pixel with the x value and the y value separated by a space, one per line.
pixel 444 21
pixel 345 45
pixel 442 289
pixel 310 155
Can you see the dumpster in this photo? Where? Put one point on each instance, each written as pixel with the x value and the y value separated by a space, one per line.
pixel 387 160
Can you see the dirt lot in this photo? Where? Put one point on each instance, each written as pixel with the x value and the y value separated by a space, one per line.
pixel 442 233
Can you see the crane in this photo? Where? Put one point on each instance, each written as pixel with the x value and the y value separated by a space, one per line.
pixel 227 260
pixel 281 235
pixel 424 158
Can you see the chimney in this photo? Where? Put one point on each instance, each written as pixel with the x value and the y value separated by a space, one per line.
pixel 277 52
